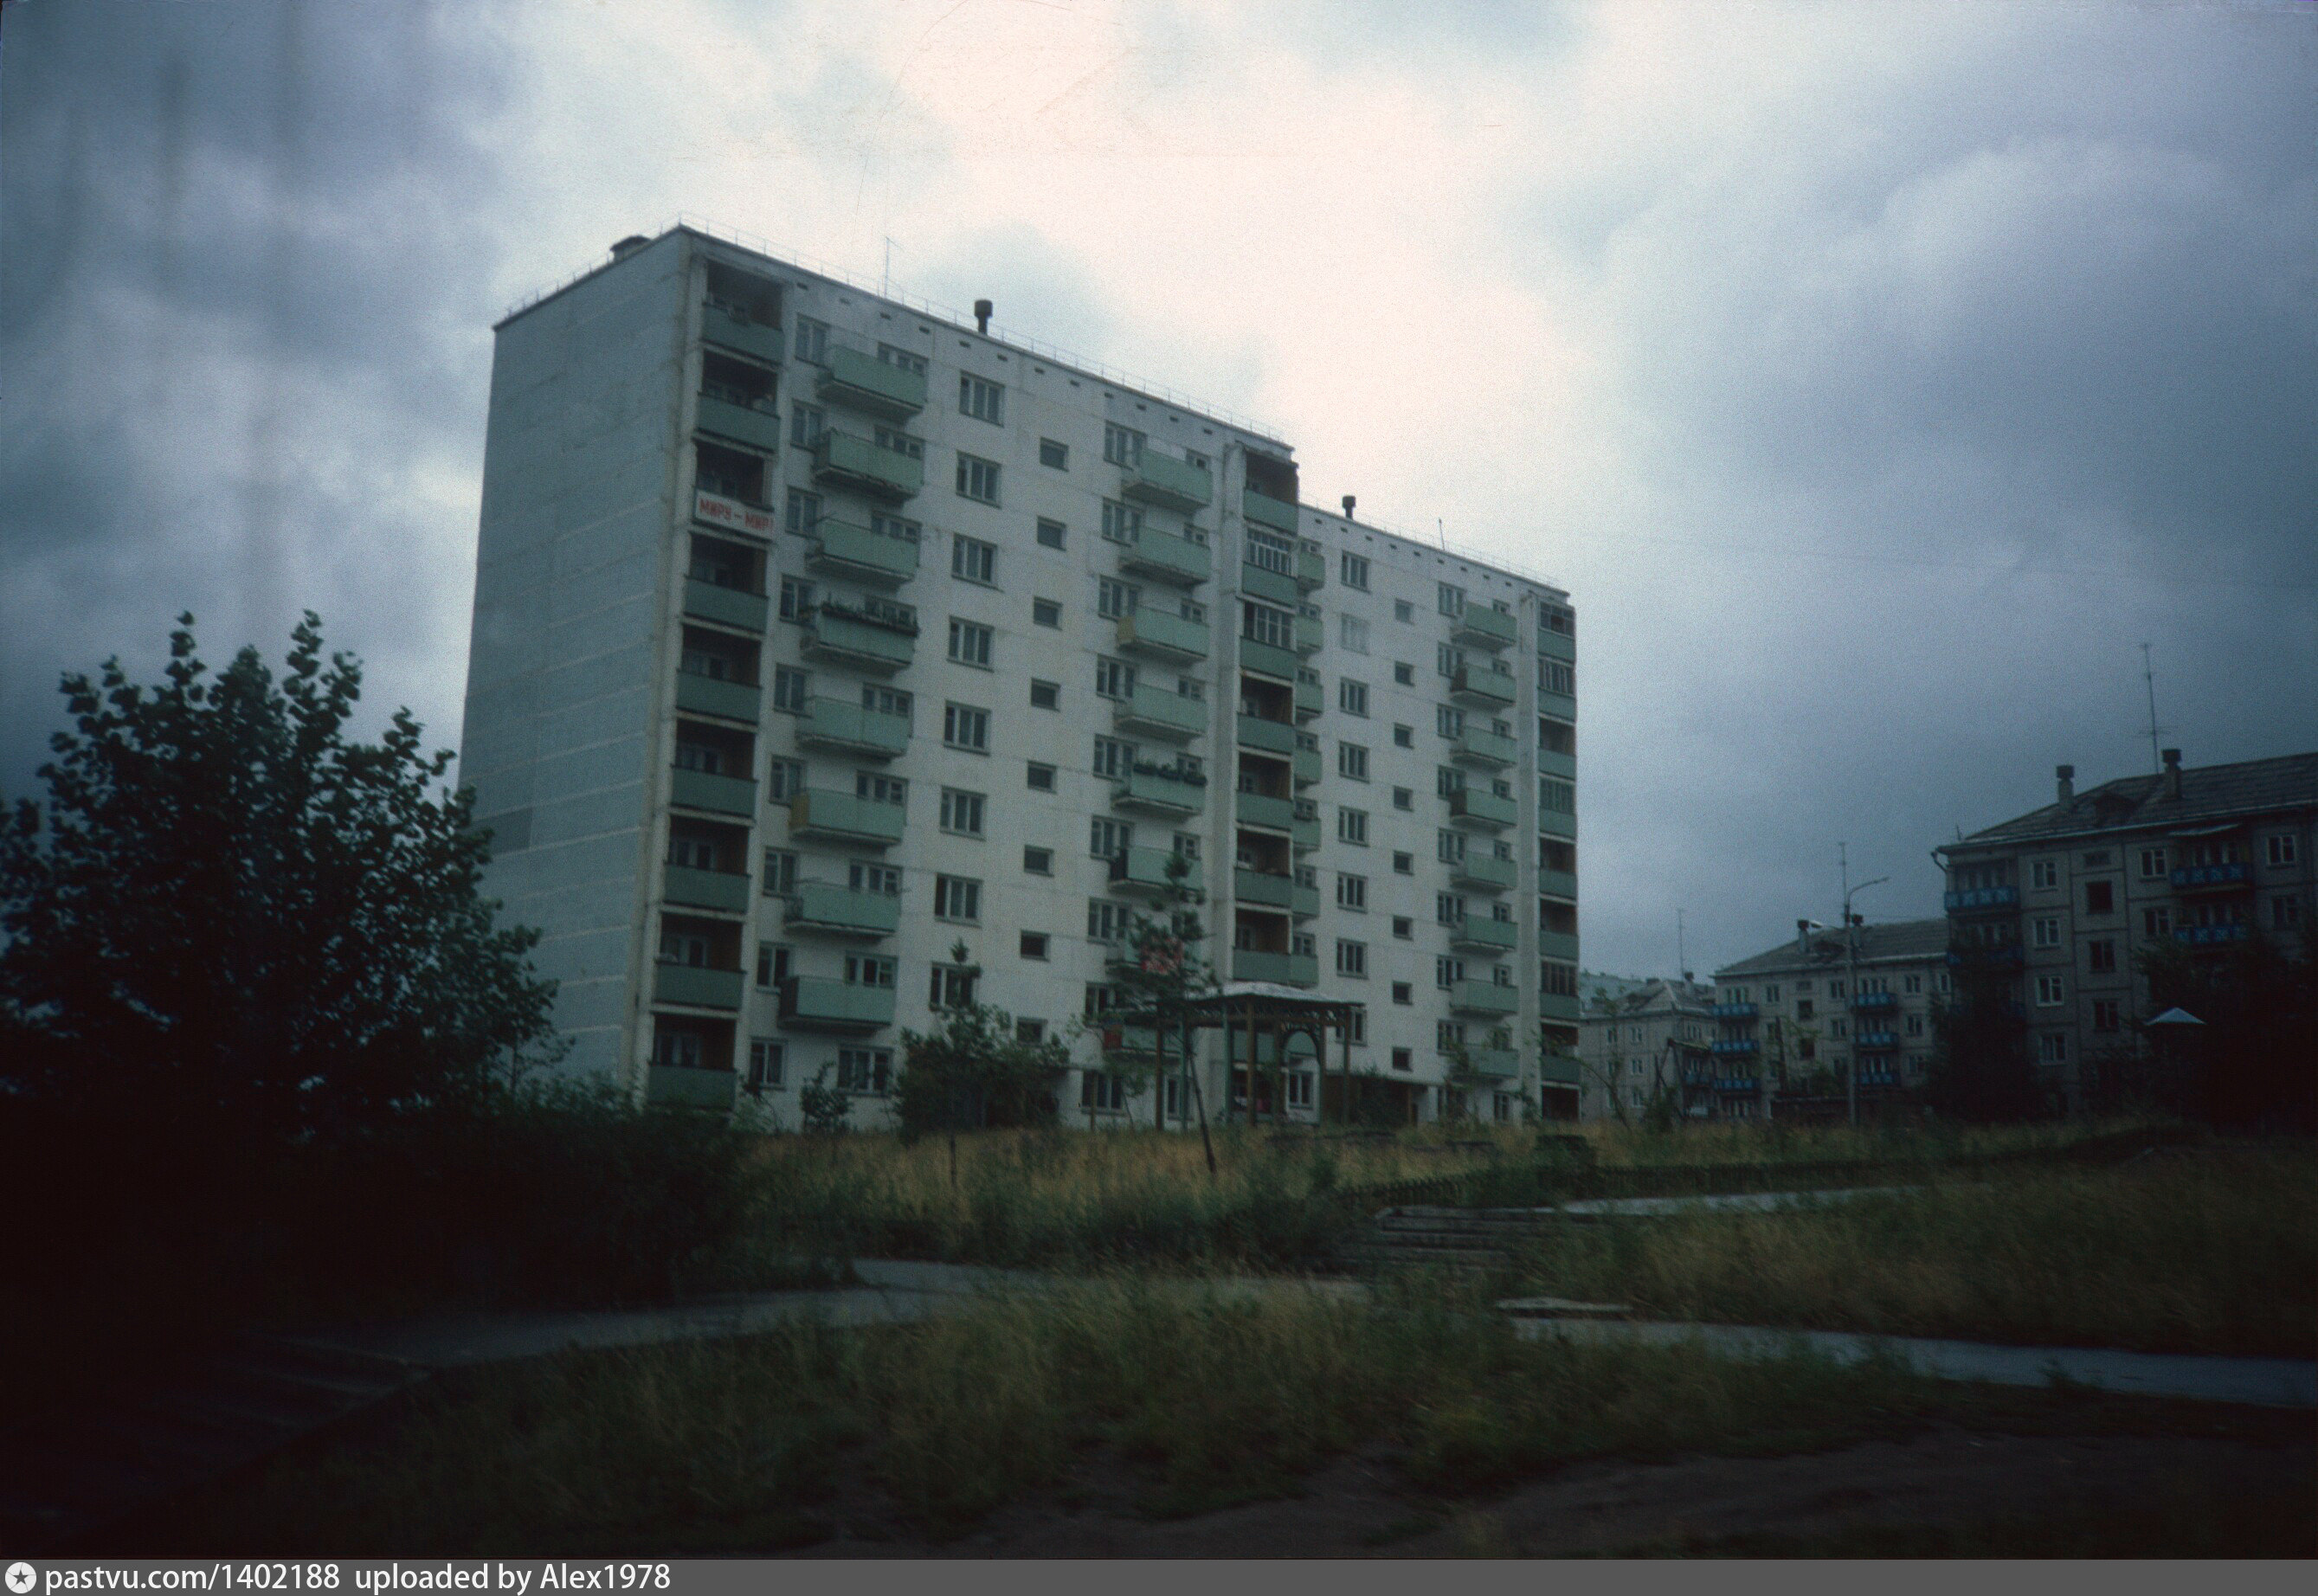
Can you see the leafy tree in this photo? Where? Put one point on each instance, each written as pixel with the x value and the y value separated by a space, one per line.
pixel 1160 977
pixel 2254 1059
pixel 233 914
pixel 1980 1070
pixel 975 1070
pixel 824 1109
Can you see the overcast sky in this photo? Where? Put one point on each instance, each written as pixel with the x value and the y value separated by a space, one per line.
pixel 1877 378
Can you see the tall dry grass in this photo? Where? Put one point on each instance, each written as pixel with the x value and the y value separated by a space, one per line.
pixel 2217 1252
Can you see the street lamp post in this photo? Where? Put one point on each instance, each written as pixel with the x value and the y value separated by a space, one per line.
pixel 1851 923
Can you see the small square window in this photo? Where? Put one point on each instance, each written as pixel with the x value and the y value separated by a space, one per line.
pixel 1046 696
pixel 1045 612
pixel 1403 994
pixel 1404 737
pixel 1401 798
pixel 1034 944
pixel 1404 864
pixel 1041 779
pixel 1054 456
pixel 1404 673
pixel 1403 926
pixel 1403 611
pixel 1052 535
pixel 1037 861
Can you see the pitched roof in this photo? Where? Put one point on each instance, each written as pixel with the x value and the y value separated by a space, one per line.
pixel 2209 793
pixel 1893 939
pixel 1626 994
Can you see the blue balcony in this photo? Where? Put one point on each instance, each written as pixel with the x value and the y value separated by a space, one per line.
pixel 2210 935
pixel 1267 659
pixel 1735 1046
pixel 1261 809
pixel 1978 898
pixel 724 891
pixel 1877 1041
pixel 2007 955
pixel 1273 587
pixel 880 640
pixel 727 606
pixel 1741 1085
pixel 1494 1063
pixel 826 816
pixel 696 986
pixel 722 794
pixel 2213 878
pixel 1875 1002
pixel 1477 745
pixel 1734 1011
pixel 1270 737
pixel 753 423
pixel 844 549
pixel 1484 871
pixel 1558 1068
pixel 1281 969
pixel 700 694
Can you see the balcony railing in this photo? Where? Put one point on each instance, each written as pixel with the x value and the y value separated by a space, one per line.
pixel 1283 969
pixel 1261 809
pixel 1484 871
pixel 1311 570
pixel 1310 699
pixel 723 794
pixel 1270 737
pixel 847 728
pixel 840 911
pixel 841 817
pixel 2006 955
pixel 1557 1069
pixel 843 549
pixel 848 462
pixel 1556 645
pixel 1982 898
pixel 1156 479
pixel 1494 1063
pixel 1558 883
pixel 1273 587
pixel 753 424
pixel 1267 659
pixel 1152 710
pixel 725 891
pixel 1278 514
pixel 1558 944
pixel 845 638
pixel 860 381
pixel 1477 745
pixel 1482 626
pixel 735 329
pixel 1480 685
pixel 2208 878
pixel 1158 791
pixel 1144 870
pixel 1735 1045
pixel 1476 931
pixel 1875 1002
pixel 727 607
pixel 1311 636
pixel 1557 1006
pixel 1169 558
pixel 1476 807
pixel 1877 1041
pixel 1261 889
pixel 698 986
pixel 1305 765
pixel 1564 765
pixel 1161 635
pixel 815 1003
pixel 1484 997
pixel 700 694
pixel 2210 935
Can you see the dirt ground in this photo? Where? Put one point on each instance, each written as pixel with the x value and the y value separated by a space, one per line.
pixel 1358 1508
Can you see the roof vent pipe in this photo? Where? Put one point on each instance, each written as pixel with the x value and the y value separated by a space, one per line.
pixel 2173 773
pixel 1349 502
pixel 629 246
pixel 1802 938
pixel 982 309
pixel 2068 779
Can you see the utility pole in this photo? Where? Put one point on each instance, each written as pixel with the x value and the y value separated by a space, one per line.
pixel 1851 923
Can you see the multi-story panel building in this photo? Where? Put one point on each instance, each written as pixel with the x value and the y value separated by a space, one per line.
pixel 1639 1039
pixel 2065 900
pixel 1794 1020
pixel 816 633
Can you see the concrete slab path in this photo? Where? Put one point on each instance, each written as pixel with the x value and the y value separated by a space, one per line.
pixel 1751 1202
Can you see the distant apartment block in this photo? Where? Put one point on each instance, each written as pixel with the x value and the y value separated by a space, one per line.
pixel 1794 1020
pixel 815 635
pixel 1640 1039
pixel 2064 900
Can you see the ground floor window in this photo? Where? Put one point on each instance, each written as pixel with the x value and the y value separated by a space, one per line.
pixel 1101 1092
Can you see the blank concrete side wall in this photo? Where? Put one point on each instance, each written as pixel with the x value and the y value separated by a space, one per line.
pixel 578 463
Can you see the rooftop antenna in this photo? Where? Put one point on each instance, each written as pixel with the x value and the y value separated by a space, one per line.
pixel 1441 533
pixel 885 284
pixel 1681 962
pixel 2149 680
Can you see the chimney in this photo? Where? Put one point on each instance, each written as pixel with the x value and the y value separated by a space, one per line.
pixel 629 246
pixel 2068 777
pixel 1349 502
pixel 1802 938
pixel 2173 773
pixel 982 316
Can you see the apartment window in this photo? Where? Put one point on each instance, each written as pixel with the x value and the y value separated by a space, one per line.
pixel 1448 781
pixel 1448 1035
pixel 796 599
pixel 1403 993
pixel 978 478
pixel 951 987
pixel 2045 931
pixel 973 560
pixel 2157 923
pixel 779 873
pixel 806 423
pixel 2052 1047
pixel 2100 897
pixel 1037 861
pixel 1101 1092
pixel 2152 863
pixel 1449 846
pixel 969 644
pixel 1556 978
pixel 1805 1009
pixel 1352 634
pixel 1554 677
pixel 1045 612
pixel 765 1059
pixel 790 690
pixel 984 401
pixel 1031 1031
pixel 1113 678
pixel 1114 598
pixel 1404 737
pixel 869 969
pixel 1557 796
pixel 2051 992
pixel 1040 779
pixel 1448 720
pixel 1448 909
pixel 884 880
pixel 880 789
pixel 2101 956
pixel 1045 694
pixel 1351 761
pixel 1352 892
pixel 1107 839
pixel 801 512
pixel 885 700
pixel 966 726
pixel 784 779
pixel 1352 959
pixel 1106 920
pixel 1451 599
pixel 1446 972
pixel 1448 659
pixel 1054 456
pixel 1352 697
pixel 956 898
pixel 1404 674
pixel 1404 864
pixel 865 1072
pixel 1034 944
pixel 1913 984
pixel 2284 913
pixel 1353 827
pixel 1403 798
pixel 1353 571
pixel 1122 522
pixel 2108 1015
pixel 2280 849
pixel 1112 759
pixel 2044 873
pixel 772 964
pixel 1121 445
pixel 1259 622
pixel 1403 611
pixel 812 340
pixel 961 811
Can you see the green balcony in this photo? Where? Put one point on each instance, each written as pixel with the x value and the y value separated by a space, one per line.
pixel 1260 889
pixel 1477 745
pixel 859 381
pixel 1272 586
pixel 1558 944
pixel 1144 871
pixel 1558 1068
pixel 1478 932
pixel 1549 762
pixel 1162 480
pixel 1153 710
pixel 1558 883
pixel 1305 901
pixel 1555 1006
pixel 727 607
pixel 1553 822
pixel 1306 766
pixel 1162 636
pixel 1311 635
pixel 844 728
pixel 1270 737
pixel 1484 871
pixel 1484 997
pixel 1479 685
pixel 842 549
pixel 1310 698
pixel 737 423
pixel 725 891
pixel 1560 705
pixel 1311 568
pixel 1158 791
pixel 1482 627
pixel 1494 1063
pixel 1556 645
pixel 842 639
pixel 826 816
pixel 840 460
pixel 816 1003
pixel 1264 510
pixel 670 1086
pixel 1282 969
pixel 1168 558
pixel 739 333
pixel 1304 835
pixel 1265 660
pixel 696 986
pixel 1474 807
pixel 832 910
pixel 1260 809
pixel 725 794
pixel 711 695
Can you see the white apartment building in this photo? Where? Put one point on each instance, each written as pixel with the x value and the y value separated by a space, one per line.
pixel 1794 1020
pixel 815 633
pixel 1637 1038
